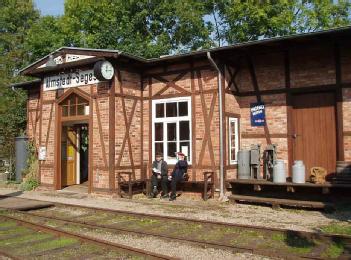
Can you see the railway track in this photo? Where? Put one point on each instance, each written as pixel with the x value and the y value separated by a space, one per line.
pixel 21 239
pixel 271 242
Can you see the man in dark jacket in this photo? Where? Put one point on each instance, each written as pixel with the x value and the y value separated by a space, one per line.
pixel 159 174
pixel 180 169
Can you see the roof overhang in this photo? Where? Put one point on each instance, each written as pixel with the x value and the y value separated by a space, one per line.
pixel 37 68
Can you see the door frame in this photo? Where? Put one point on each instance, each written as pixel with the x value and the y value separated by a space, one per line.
pixel 59 121
pixel 291 127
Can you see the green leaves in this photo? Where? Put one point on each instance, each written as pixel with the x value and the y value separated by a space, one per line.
pixel 252 20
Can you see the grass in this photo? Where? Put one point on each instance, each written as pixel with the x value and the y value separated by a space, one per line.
pixel 47 245
pixel 16 230
pixel 334 250
pixel 342 229
pixel 7 224
pixel 24 239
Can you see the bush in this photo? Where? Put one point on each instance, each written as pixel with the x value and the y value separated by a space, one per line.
pixel 30 174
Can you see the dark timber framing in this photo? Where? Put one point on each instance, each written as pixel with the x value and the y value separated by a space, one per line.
pixel 233 61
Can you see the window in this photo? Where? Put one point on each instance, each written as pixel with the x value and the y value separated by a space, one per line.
pixel 171 128
pixel 74 105
pixel 233 139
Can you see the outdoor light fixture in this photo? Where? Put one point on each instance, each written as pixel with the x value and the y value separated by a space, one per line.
pixel 51 62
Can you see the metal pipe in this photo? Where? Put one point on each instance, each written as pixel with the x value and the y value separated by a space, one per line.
pixel 221 138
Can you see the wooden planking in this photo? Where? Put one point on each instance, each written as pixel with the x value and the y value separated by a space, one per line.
pixel 91 139
pixel 171 84
pixel 57 142
pixel 314 124
pixel 102 143
pixel 276 202
pixel 207 141
pixel 273 135
pixel 40 129
pixel 49 126
pixel 112 139
pixel 288 97
pixel 142 170
pixel 339 107
pixel 256 91
pixel 193 120
pixel 150 121
pixel 127 123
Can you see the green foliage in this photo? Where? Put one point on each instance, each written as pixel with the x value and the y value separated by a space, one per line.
pixel 252 20
pixel 16 17
pixel 334 250
pixel 337 228
pixel 149 28
pixel 30 174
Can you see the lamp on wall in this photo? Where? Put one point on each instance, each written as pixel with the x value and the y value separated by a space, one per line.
pixel 51 62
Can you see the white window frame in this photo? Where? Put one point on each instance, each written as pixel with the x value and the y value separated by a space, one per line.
pixel 166 120
pixel 236 123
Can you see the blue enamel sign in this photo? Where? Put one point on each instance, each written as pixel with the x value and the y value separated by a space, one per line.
pixel 257 111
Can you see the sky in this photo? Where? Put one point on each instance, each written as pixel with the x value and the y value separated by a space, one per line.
pixel 50 7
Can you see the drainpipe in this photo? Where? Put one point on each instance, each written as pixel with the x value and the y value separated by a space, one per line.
pixel 221 137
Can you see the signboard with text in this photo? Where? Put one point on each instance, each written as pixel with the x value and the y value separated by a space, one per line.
pixel 70 80
pixel 257 111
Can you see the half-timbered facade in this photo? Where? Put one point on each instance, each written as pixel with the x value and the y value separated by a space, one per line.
pixel 173 104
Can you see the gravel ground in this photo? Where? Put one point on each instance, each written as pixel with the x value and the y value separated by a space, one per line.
pixel 304 220
pixel 193 209
pixel 173 249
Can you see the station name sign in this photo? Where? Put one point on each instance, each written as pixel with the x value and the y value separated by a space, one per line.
pixel 70 80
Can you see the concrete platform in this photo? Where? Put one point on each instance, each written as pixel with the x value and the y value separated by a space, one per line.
pixel 22 204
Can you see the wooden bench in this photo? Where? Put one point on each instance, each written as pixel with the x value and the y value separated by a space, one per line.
pixel 207 183
pixel 133 186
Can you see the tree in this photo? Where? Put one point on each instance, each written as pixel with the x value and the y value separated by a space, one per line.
pixel 252 20
pixel 44 36
pixel 16 17
pixel 148 28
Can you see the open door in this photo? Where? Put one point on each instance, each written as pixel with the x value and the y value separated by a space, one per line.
pixel 69 156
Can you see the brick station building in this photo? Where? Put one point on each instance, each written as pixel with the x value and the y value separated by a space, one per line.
pixel 88 129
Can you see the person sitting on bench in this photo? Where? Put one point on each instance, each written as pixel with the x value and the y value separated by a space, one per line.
pixel 159 174
pixel 178 174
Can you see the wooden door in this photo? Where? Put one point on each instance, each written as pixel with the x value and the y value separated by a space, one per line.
pixel 314 125
pixel 69 156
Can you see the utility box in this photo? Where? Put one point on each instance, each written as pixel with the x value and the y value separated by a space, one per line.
pixel 21 143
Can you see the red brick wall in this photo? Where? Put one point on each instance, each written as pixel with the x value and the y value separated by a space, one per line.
pixel 208 95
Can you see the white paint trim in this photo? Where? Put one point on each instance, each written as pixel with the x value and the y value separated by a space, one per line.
pixel 165 121
pixel 78 158
pixel 236 122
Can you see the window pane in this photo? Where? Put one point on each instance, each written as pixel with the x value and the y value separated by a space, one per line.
pixel 64 111
pixel 72 110
pixel 172 131
pixel 183 108
pixel 172 149
pixel 171 109
pixel 160 110
pixel 233 155
pixel 185 149
pixel 159 132
pixel 158 148
pixel 80 110
pixel 72 99
pixel 232 127
pixel 82 101
pixel 184 130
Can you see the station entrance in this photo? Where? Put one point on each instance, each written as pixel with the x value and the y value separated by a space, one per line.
pixel 74 154
pixel 73 146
